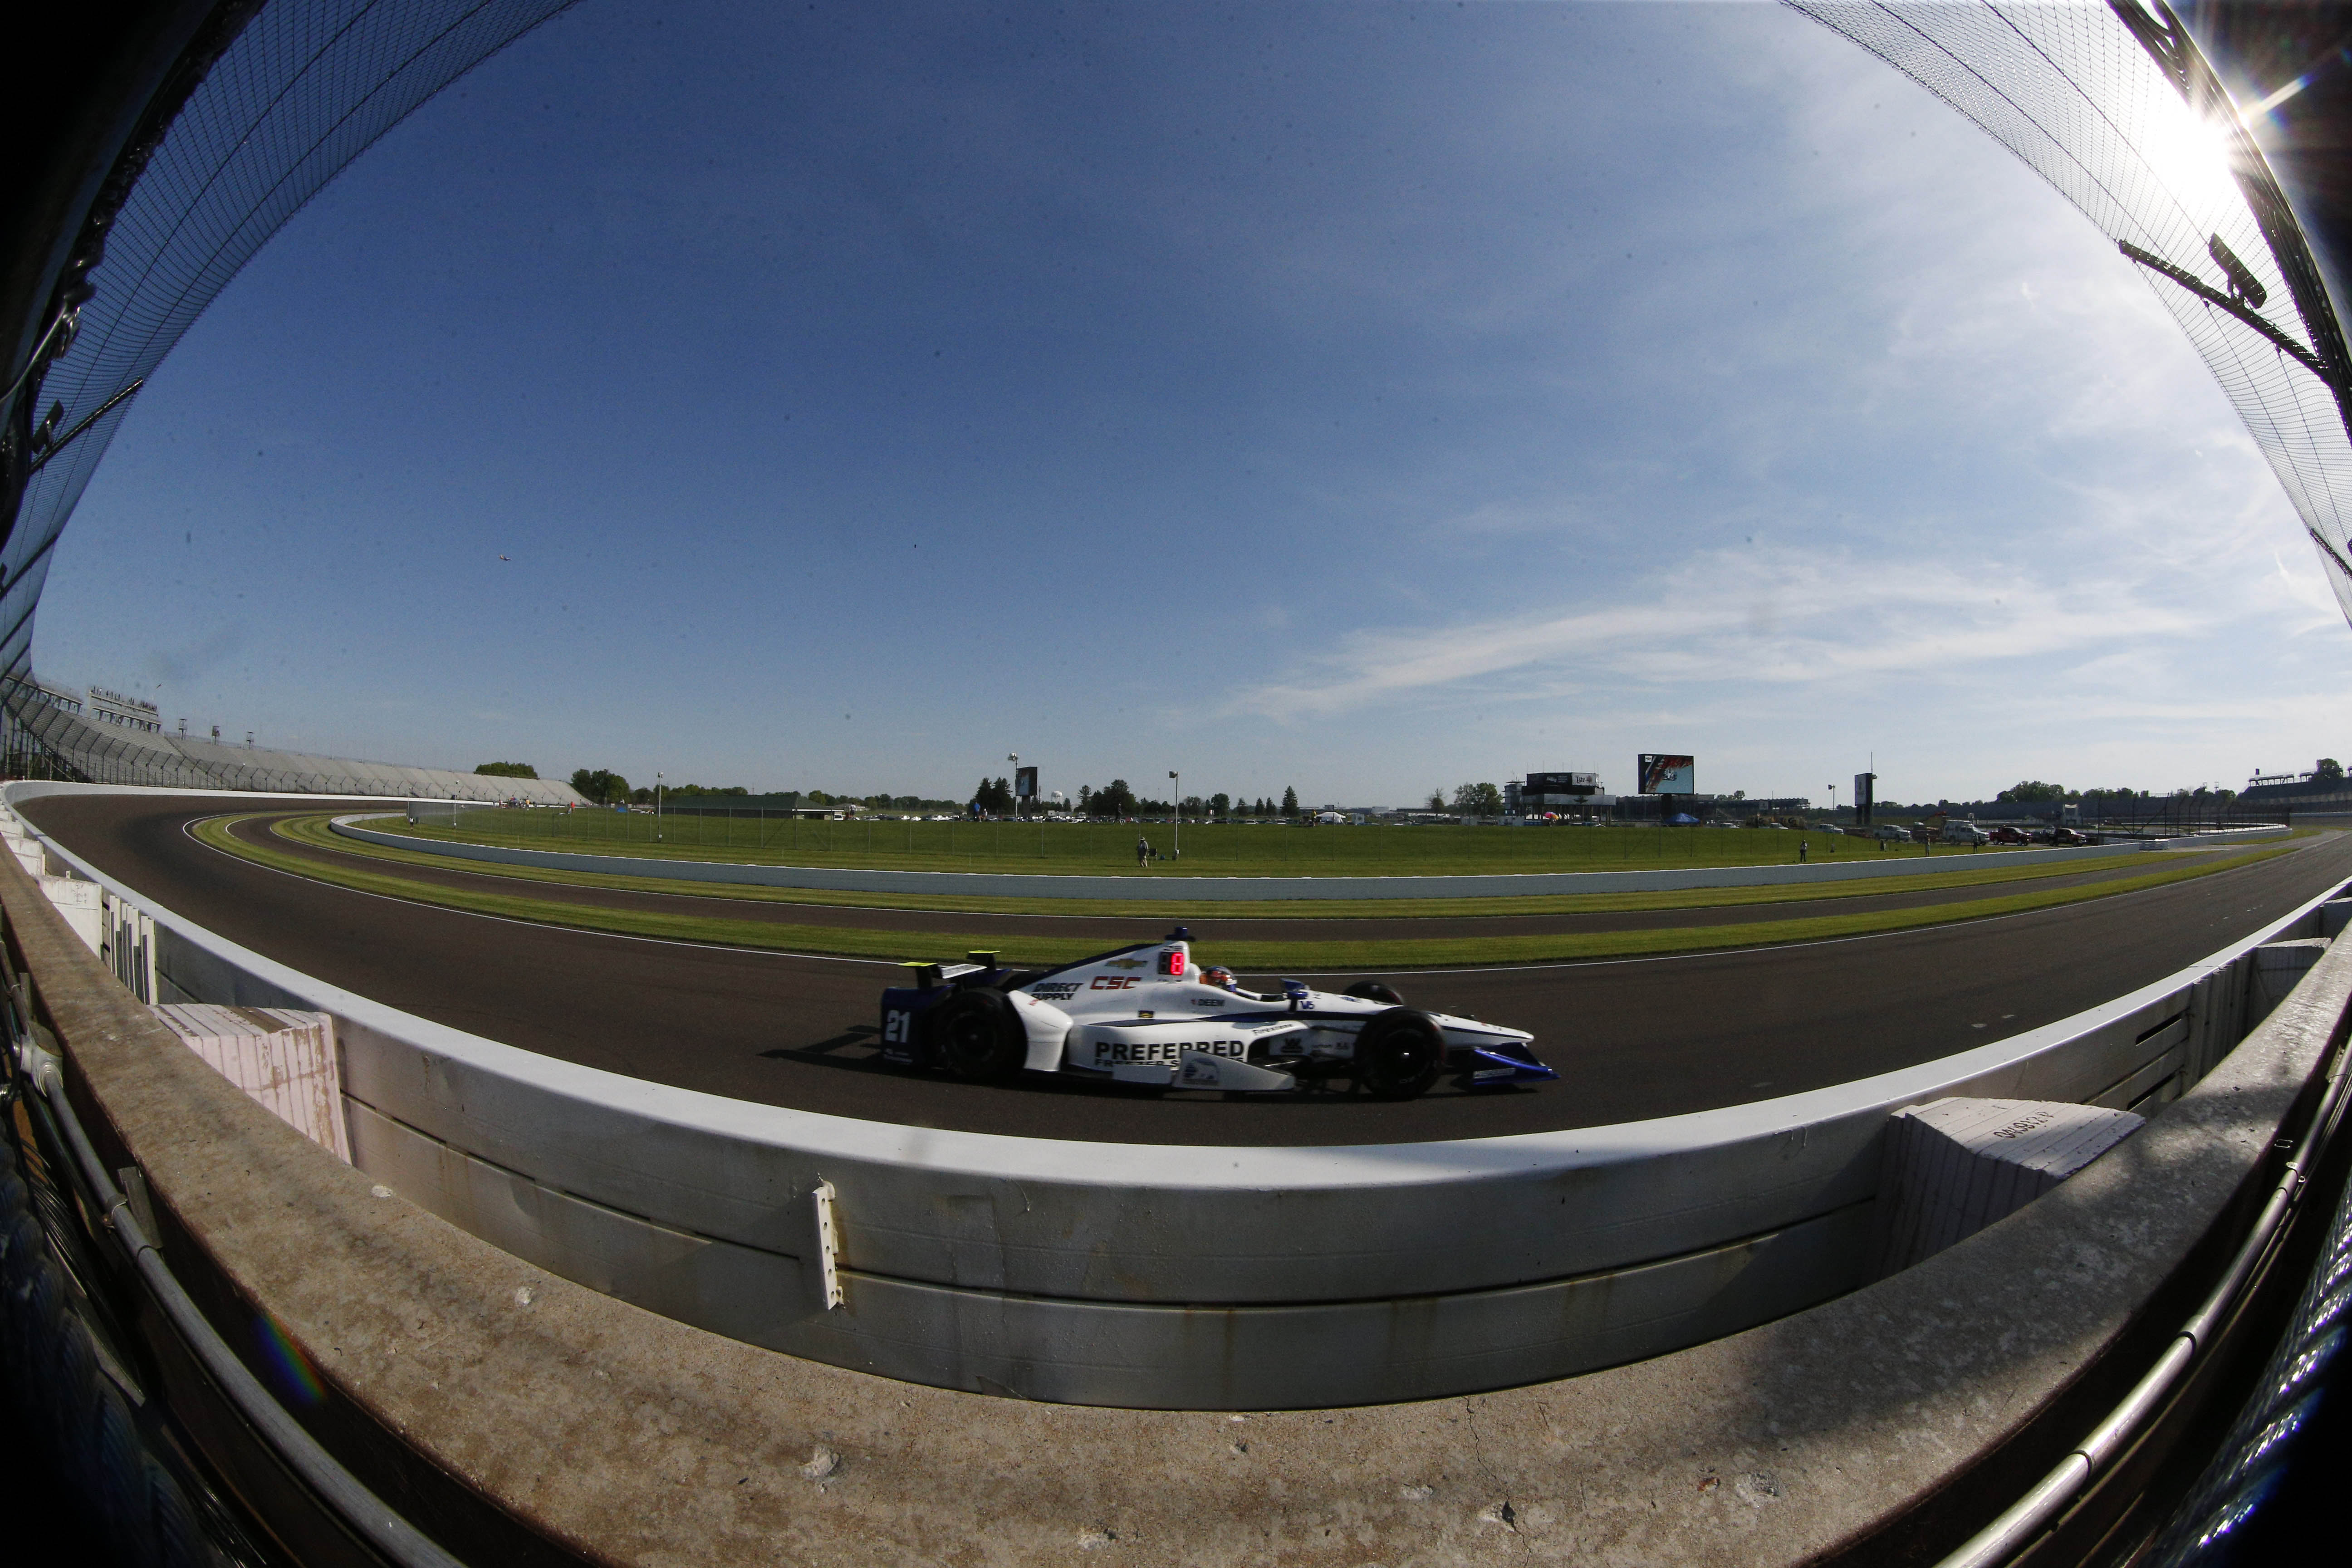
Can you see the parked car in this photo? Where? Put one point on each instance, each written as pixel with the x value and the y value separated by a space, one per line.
pixel 1886 830
pixel 2068 836
pixel 2009 836
pixel 1965 833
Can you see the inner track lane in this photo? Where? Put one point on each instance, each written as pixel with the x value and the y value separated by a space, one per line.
pixel 1633 1039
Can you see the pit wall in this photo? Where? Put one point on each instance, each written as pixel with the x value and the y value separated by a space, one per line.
pixel 1177 1277
pixel 1848 864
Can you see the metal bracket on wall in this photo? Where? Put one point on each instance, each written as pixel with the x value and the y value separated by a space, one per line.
pixel 828 1244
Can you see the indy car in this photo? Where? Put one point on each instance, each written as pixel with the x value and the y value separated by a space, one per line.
pixel 1148 1015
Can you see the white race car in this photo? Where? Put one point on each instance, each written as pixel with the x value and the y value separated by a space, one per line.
pixel 1147 1015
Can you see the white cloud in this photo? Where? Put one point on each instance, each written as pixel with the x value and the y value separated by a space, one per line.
pixel 1835 623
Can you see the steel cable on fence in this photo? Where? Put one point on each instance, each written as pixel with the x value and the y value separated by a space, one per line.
pixel 2160 162
pixel 302 89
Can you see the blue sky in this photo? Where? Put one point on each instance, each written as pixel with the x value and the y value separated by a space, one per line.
pixel 1360 397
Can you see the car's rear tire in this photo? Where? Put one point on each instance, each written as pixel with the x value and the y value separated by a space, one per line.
pixel 976 1036
pixel 1398 1055
pixel 1373 991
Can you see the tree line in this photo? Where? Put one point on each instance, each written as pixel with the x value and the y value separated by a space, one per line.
pixel 1117 798
pixel 2034 791
pixel 603 786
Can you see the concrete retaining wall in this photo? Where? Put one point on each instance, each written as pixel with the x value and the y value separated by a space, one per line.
pixel 1862 864
pixel 1174 1276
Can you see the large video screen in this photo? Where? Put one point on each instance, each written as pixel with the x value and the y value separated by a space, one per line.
pixel 1662 775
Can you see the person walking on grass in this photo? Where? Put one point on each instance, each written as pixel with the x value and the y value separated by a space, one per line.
pixel 1142 853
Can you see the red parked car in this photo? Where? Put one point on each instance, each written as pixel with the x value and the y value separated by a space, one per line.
pixel 2008 835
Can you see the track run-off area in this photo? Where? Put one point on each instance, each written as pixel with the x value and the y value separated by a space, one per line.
pixel 686 999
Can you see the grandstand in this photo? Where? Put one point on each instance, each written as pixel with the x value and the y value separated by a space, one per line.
pixel 2307 793
pixel 45 734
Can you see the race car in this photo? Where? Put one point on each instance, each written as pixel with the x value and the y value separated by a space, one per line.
pixel 1148 1015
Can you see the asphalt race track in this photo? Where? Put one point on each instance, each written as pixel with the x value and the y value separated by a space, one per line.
pixel 1632 1039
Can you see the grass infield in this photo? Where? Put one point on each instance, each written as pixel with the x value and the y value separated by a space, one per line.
pixel 1257 956
pixel 1968 871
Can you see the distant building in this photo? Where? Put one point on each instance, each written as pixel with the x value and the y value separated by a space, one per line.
pixel 48 696
pixel 111 707
pixel 1539 793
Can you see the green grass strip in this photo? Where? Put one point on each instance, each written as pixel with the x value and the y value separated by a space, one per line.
pixel 313 831
pixel 1296 957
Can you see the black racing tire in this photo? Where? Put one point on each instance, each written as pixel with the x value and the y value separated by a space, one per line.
pixel 1373 991
pixel 975 1036
pixel 1398 1055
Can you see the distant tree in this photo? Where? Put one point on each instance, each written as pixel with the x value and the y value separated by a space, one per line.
pixel 507 770
pixel 601 786
pixel 993 795
pixel 1478 800
pixel 1437 800
pixel 2329 768
pixel 1289 801
pixel 2033 791
pixel 1221 805
pixel 1114 799
pixel 818 797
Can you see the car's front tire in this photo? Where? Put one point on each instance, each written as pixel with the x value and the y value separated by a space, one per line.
pixel 1398 1055
pixel 976 1036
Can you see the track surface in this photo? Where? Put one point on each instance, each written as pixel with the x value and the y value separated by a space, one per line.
pixel 1633 1039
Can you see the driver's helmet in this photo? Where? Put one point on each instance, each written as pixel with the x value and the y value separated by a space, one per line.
pixel 1217 974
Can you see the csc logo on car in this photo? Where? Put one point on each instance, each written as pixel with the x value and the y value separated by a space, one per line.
pixel 1112 983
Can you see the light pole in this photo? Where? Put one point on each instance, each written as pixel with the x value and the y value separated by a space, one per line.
pixel 1176 851
pixel 1014 758
pixel 658 783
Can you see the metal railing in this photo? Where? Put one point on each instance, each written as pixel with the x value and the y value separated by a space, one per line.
pixel 35 1077
pixel 2025 1521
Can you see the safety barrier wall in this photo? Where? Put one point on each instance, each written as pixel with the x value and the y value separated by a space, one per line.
pixel 1176 1276
pixel 1222 889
